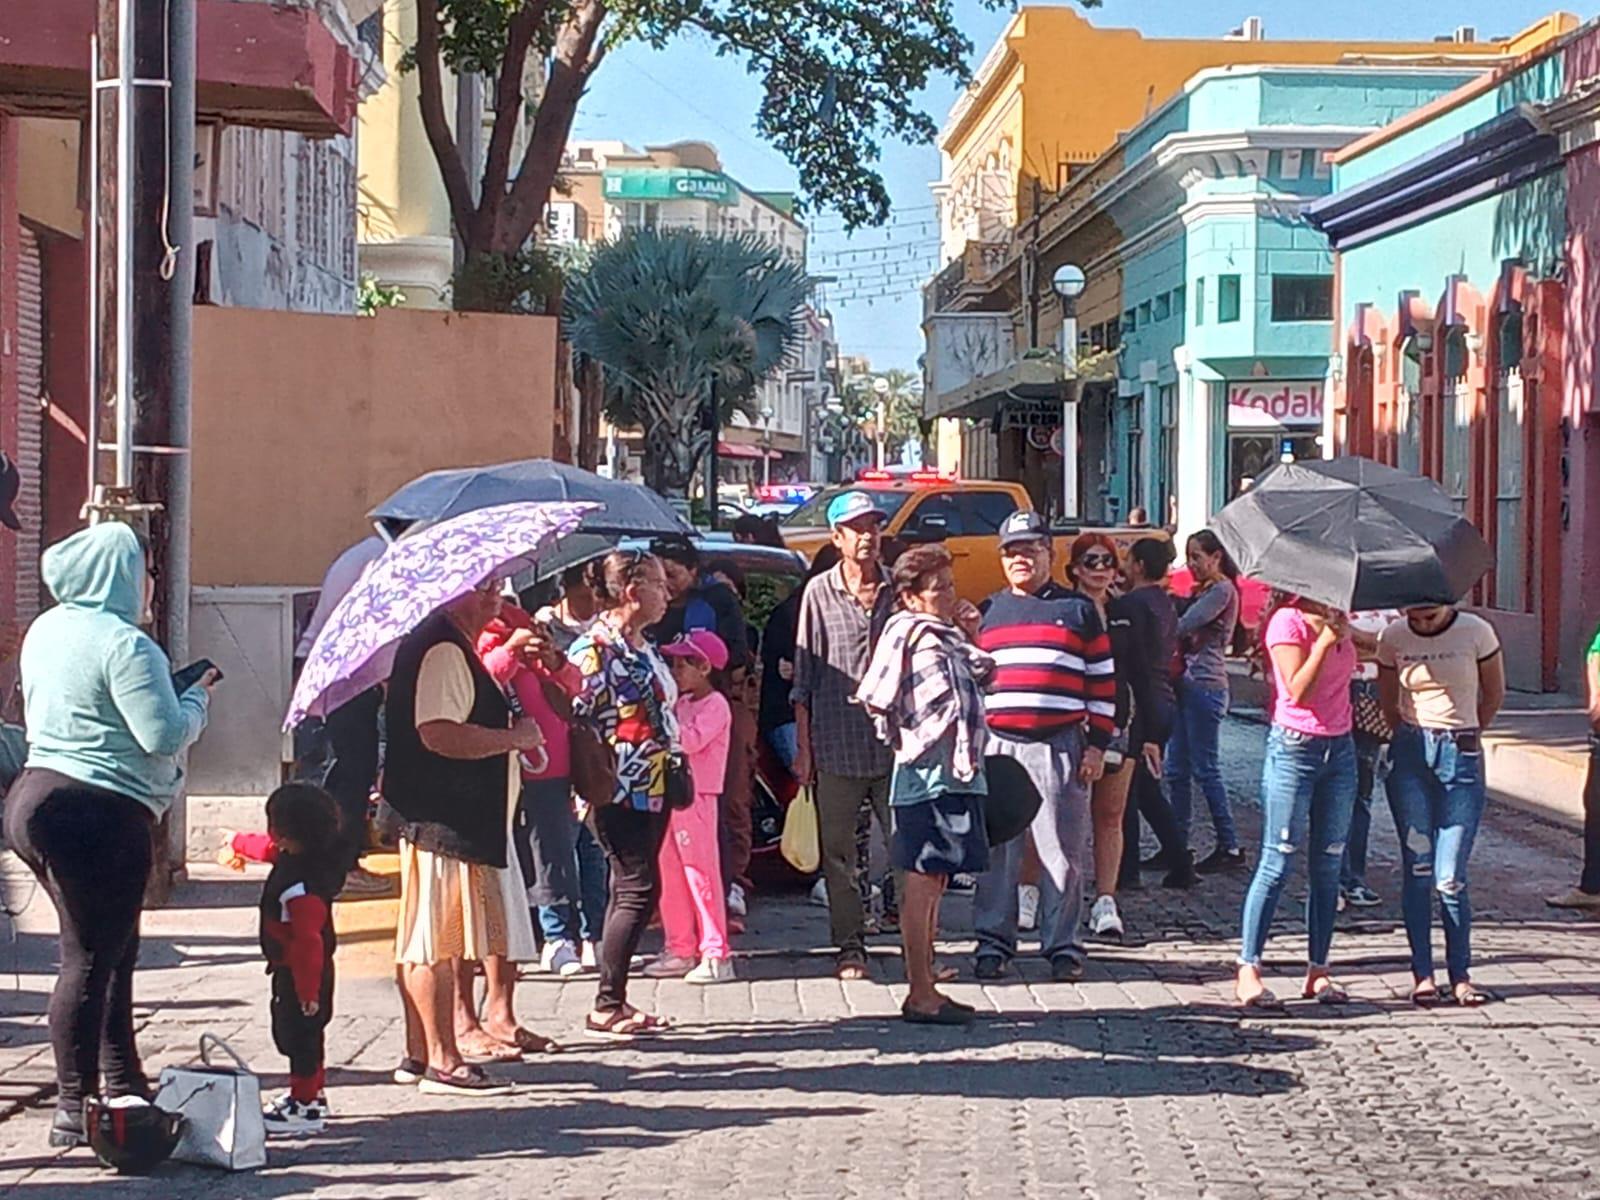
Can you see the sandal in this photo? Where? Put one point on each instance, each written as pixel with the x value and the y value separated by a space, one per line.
pixel 948 1013
pixel 1329 993
pixel 945 973
pixel 1427 995
pixel 852 964
pixel 1266 1001
pixel 527 1043
pixel 624 1025
pixel 1469 995
pixel 487 1049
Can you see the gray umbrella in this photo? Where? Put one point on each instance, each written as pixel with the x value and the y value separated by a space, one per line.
pixel 630 510
pixel 1354 534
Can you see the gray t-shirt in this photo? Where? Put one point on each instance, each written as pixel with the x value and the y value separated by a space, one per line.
pixel 1205 628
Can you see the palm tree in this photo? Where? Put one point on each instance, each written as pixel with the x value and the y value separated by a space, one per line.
pixel 671 313
pixel 903 401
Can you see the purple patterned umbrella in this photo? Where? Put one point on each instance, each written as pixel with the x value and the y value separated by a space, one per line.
pixel 415 578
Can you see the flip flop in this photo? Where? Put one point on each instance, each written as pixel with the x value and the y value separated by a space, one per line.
pixel 489 1050
pixel 852 964
pixel 945 973
pixel 1329 993
pixel 948 1013
pixel 1265 1001
pixel 1472 996
pixel 527 1043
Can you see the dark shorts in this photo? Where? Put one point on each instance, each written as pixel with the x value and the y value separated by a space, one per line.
pixel 942 836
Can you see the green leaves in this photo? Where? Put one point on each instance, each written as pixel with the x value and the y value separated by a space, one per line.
pixel 669 312
pixel 837 76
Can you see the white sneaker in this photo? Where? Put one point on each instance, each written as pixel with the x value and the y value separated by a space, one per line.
pixel 561 958
pixel 1105 922
pixel 737 906
pixel 1027 907
pixel 590 959
pixel 288 1117
pixel 712 970
pixel 819 893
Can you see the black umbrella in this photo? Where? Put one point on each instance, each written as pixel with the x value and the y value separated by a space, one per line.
pixel 1354 534
pixel 631 510
pixel 1013 800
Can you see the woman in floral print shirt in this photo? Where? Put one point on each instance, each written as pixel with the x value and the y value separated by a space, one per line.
pixel 628 695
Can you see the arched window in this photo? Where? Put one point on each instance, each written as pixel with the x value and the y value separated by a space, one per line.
pixel 1408 420
pixel 1512 428
pixel 1455 419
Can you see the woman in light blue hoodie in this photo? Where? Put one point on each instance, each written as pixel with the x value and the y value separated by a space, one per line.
pixel 106 730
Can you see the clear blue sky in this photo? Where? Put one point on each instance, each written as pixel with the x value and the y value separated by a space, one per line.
pixel 646 96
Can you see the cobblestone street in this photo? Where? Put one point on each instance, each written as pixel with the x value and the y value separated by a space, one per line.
pixel 1141 1081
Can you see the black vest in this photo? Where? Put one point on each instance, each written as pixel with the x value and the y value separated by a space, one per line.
pixel 451 806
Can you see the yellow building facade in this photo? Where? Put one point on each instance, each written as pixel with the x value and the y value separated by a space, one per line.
pixel 1055 92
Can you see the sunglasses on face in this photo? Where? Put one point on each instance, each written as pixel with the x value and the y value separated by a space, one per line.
pixel 1097 562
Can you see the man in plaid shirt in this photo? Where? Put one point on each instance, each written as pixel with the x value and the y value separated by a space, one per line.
pixel 841 615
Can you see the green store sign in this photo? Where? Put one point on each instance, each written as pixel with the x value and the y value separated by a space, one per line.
pixel 671 183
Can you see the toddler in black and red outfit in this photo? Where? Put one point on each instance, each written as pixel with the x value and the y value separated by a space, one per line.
pixel 297 938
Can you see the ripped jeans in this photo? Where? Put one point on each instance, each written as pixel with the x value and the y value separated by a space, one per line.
pixel 1437 794
pixel 1308 790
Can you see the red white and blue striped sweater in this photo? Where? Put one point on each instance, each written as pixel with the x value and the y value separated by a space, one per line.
pixel 1053 666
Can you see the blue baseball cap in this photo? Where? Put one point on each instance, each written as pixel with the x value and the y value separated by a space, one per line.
pixel 850 507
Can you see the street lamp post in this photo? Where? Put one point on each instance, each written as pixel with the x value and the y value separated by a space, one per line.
pixel 766 444
pixel 1068 283
pixel 880 387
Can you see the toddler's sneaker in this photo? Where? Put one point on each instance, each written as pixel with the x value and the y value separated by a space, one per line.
pixel 1105 922
pixel 711 970
pixel 590 959
pixel 737 906
pixel 561 958
pixel 288 1117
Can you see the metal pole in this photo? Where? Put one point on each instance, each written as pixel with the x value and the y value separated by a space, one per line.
pixel 1069 411
pixel 125 73
pixel 93 238
pixel 711 457
pixel 766 460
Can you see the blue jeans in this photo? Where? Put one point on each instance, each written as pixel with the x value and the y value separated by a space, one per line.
pixel 569 922
pixel 1193 758
pixel 1308 787
pixel 1353 873
pixel 785 743
pixel 1437 794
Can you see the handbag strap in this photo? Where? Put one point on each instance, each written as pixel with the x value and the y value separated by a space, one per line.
pixel 208 1040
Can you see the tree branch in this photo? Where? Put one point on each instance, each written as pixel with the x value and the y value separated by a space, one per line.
pixel 431 87
pixel 574 60
pixel 524 24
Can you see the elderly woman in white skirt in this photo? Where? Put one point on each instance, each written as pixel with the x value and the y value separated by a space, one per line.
pixel 923 691
pixel 451 774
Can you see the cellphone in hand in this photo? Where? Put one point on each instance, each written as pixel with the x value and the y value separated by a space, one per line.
pixel 185 679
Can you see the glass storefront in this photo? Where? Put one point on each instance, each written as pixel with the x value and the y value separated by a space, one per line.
pixel 1270 421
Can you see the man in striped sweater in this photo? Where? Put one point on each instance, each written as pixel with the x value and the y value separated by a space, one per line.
pixel 1050 706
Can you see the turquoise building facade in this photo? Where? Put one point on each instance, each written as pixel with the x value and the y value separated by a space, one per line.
pixel 1227 336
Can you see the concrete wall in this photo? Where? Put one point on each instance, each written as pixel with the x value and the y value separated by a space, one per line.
pixel 303 423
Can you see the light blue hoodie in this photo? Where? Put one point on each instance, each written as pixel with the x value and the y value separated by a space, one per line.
pixel 97 691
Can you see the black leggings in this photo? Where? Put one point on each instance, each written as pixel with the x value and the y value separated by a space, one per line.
pixel 353 732
pixel 632 842
pixel 91 849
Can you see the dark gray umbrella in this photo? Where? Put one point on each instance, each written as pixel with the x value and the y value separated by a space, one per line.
pixel 631 510
pixel 1354 534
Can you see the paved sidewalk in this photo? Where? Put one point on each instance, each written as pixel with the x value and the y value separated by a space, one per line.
pixel 1141 1081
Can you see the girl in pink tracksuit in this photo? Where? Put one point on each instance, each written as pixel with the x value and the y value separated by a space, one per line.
pixel 694 916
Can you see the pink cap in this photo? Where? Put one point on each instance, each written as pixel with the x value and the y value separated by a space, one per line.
pixel 699 643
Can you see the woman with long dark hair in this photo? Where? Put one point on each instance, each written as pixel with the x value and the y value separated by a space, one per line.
pixel 628 695
pixel 1205 629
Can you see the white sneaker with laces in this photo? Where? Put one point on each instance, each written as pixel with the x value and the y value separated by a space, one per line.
pixel 1105 922
pixel 288 1117
pixel 561 958
pixel 737 905
pixel 712 970
pixel 1027 907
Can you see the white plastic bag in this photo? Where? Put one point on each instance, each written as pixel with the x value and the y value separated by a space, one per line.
pixel 221 1108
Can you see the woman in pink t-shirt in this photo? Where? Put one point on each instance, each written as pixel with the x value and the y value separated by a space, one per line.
pixel 1308 788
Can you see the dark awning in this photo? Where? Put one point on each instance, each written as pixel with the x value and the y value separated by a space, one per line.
pixel 257 64
pixel 1491 158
